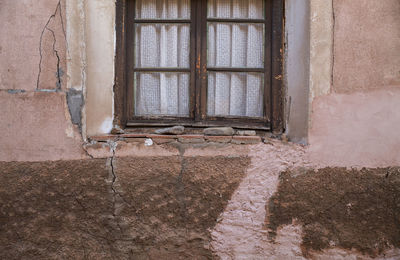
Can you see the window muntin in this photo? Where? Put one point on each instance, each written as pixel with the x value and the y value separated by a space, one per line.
pixel 162 9
pixel 235 9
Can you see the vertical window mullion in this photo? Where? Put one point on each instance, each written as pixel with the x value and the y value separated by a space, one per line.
pixel 129 60
pixel 268 61
pixel 203 59
pixel 200 58
pixel 193 60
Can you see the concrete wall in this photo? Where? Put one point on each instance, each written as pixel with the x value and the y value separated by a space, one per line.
pixel 65 196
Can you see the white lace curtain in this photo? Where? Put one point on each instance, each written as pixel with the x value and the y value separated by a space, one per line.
pixel 229 45
pixel 162 45
pixel 235 45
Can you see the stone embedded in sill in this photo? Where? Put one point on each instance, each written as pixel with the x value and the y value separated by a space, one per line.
pixel 103 138
pixel 246 132
pixel 175 130
pixel 135 140
pixel 219 131
pixel 219 139
pixel 246 140
pixel 162 139
pixel 191 139
pixel 133 135
pixel 153 136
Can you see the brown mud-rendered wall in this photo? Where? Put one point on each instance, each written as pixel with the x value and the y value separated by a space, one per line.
pixel 339 207
pixel 63 198
pixel 115 208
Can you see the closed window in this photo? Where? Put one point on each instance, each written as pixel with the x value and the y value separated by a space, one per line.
pixel 200 63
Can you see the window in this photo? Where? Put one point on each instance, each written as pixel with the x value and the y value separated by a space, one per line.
pixel 199 63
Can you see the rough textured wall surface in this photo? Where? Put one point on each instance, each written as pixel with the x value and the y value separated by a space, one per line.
pixel 36 124
pixel 367 44
pixel 206 204
pixel 339 207
pixel 115 208
pixel 200 201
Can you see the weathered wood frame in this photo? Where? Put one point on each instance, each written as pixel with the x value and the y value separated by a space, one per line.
pixel 273 89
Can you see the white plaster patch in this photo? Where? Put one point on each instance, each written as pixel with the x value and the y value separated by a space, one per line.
pixel 240 232
pixel 106 126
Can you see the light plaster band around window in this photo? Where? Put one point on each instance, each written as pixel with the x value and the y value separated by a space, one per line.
pixel 91 54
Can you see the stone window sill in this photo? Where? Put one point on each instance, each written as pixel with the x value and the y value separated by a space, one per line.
pixel 185 138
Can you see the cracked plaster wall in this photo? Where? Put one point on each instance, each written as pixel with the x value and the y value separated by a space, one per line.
pixel 37 126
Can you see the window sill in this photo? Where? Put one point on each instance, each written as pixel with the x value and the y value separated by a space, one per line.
pixel 186 138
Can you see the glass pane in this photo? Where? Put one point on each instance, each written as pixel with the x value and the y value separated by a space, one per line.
pixel 162 9
pixel 235 94
pixel 244 9
pixel 162 45
pixel 161 93
pixel 235 45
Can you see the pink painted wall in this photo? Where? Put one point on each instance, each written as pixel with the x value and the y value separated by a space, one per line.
pixel 358 124
pixel 367 45
pixel 35 124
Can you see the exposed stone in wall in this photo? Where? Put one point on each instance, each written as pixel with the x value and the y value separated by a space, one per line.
pixel 115 208
pixel 339 207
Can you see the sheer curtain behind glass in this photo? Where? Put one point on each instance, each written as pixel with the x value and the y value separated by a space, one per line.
pixel 235 45
pixel 162 45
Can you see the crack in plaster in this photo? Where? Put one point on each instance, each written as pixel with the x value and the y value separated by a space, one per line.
pixel 113 146
pixel 118 198
pixel 59 72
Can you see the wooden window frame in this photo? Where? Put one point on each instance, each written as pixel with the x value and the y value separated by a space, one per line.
pixel 273 55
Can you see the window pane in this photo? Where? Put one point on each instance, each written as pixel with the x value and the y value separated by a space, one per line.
pixel 159 93
pixel 235 45
pixel 162 9
pixel 235 94
pixel 162 45
pixel 244 9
